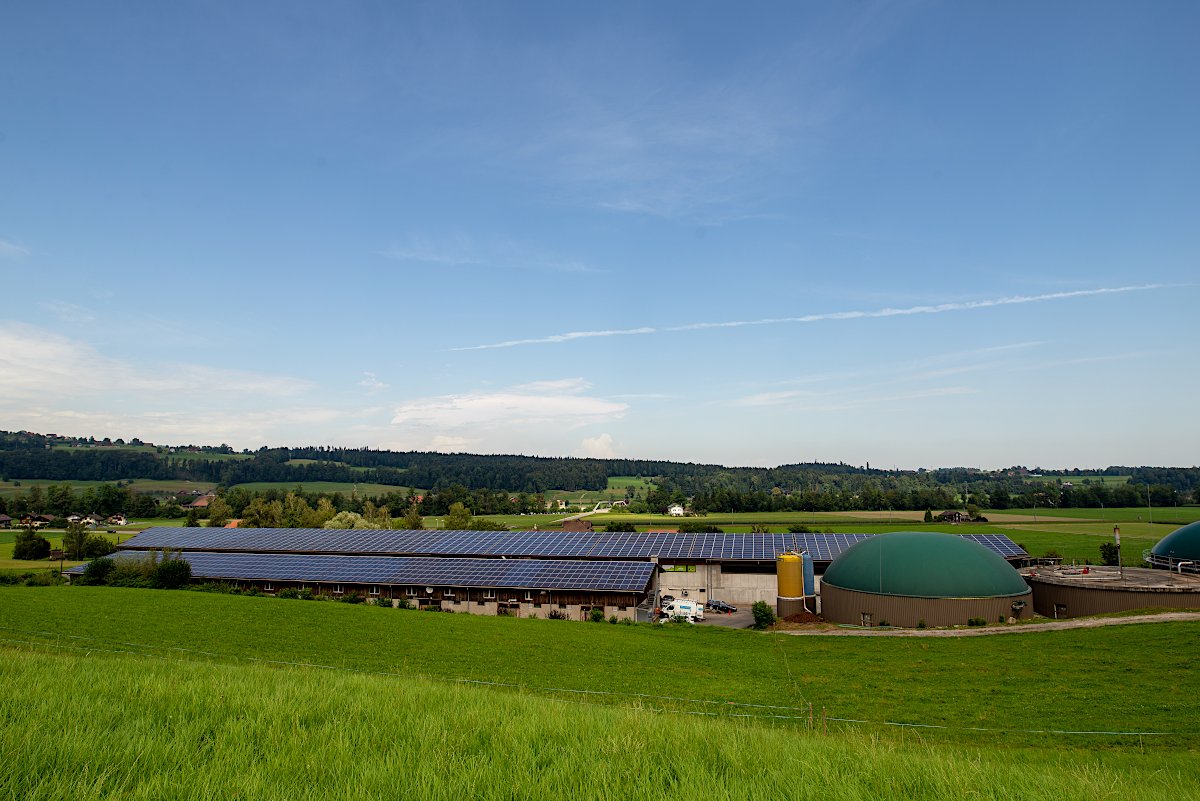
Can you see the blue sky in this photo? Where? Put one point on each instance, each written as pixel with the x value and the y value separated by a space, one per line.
pixel 910 234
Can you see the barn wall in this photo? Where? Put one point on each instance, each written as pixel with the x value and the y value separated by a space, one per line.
pixel 575 605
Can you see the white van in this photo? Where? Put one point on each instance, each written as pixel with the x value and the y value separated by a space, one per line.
pixel 692 611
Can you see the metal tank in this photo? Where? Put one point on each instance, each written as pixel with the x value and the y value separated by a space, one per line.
pixel 794 579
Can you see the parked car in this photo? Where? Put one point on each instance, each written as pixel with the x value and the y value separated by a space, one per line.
pixel 720 606
pixel 666 600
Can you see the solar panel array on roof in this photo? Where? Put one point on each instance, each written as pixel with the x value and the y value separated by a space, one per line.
pixel 539 574
pixel 998 543
pixel 548 544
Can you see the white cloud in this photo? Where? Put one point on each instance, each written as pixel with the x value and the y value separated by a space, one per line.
pixel 939 308
pixel 35 362
pixel 448 444
pixel 598 447
pixel 52 383
pixel 68 312
pixel 455 251
pixel 562 338
pixel 772 398
pixel 371 382
pixel 11 250
pixel 558 403
pixel 567 385
pixel 461 250
pixel 207 425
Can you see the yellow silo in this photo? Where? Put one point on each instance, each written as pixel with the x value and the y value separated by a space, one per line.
pixel 789 575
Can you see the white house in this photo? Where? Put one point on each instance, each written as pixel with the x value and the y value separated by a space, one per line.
pixel 675 510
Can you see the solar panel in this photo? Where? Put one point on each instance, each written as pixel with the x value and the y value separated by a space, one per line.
pixel 539 544
pixel 541 574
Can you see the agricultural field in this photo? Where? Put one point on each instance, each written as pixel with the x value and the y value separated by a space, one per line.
pixel 146 485
pixel 623 483
pixel 1173 515
pixel 514 522
pixel 345 487
pixel 201 695
pixel 617 486
pixel 1078 481
pixel 319 461
pixel 10 565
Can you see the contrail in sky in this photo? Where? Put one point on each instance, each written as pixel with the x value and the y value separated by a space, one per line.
pixel 1011 300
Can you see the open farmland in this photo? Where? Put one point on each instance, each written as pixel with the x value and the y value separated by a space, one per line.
pixel 1175 515
pixel 905 680
pixel 163 671
pixel 345 487
pixel 146 485
pixel 1079 481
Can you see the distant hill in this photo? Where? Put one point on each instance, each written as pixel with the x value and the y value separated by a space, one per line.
pixel 27 455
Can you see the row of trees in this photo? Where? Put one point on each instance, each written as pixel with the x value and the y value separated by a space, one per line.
pixel 31 456
pixel 78 544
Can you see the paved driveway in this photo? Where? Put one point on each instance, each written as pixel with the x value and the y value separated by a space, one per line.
pixel 741 619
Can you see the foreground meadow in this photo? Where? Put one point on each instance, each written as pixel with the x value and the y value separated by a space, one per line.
pixel 154 694
pixel 124 726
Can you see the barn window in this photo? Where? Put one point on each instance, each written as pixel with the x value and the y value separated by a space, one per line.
pixel 337 589
pixel 410 592
pixel 528 595
pixel 267 586
pixel 489 594
pixel 447 593
pixel 374 590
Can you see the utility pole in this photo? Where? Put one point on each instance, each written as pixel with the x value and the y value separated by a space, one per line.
pixel 1120 563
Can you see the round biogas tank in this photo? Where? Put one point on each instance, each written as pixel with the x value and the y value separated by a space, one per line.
pixel 1182 544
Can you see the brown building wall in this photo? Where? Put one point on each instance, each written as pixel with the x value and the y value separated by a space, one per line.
pixel 848 606
pixel 1058 600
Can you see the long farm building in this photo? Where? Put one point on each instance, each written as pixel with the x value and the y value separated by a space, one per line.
pixel 514 572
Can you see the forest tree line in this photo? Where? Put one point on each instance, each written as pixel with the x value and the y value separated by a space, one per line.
pixel 513 484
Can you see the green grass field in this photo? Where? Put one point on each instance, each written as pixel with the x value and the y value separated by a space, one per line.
pixel 1054 478
pixel 345 487
pixel 617 485
pixel 1174 515
pixel 623 483
pixel 152 729
pixel 147 485
pixel 955 682
pixel 319 461
pixel 194 695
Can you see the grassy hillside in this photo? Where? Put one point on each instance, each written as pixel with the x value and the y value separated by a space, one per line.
pixel 1087 680
pixel 199 696
pixel 149 729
